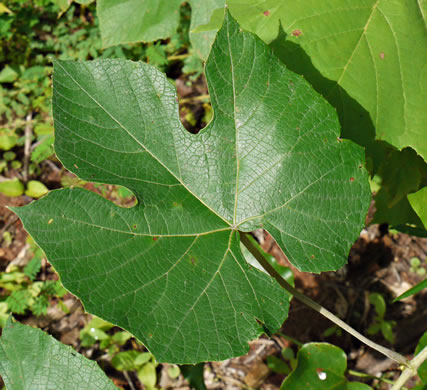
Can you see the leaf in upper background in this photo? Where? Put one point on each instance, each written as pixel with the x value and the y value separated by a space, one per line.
pixel 321 366
pixel 372 50
pixel 125 21
pixel 170 270
pixel 31 359
pixel 201 13
pixel 418 201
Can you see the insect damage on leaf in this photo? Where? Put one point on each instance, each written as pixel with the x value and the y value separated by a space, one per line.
pixel 261 162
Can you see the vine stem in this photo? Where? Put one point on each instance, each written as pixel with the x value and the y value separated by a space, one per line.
pixel 411 371
pixel 397 357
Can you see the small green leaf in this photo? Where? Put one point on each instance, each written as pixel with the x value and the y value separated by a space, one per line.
pixel 31 359
pixel 18 301
pixel 99 323
pixel 40 305
pixel 378 301
pixel 421 271
pixel 8 74
pixel 86 339
pixel 12 187
pixel 43 150
pixel 387 331
pixel 156 55
pixel 415 262
pixel 374 328
pixel 143 358
pixel 174 371
pixel 288 353
pixel 33 267
pixel 36 189
pixel 277 365
pixel 43 129
pixel 9 156
pixel 121 337
pixel 194 375
pixel 125 361
pixel 7 140
pixel 147 375
pixel 320 366
pixel 4 314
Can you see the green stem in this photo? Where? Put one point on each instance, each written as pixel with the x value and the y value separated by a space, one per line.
pixel 194 99
pixel 411 371
pixel 397 357
pixel 363 375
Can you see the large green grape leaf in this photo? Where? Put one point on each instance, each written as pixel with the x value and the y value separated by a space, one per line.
pixel 170 269
pixel 372 51
pixel 321 366
pixel 31 359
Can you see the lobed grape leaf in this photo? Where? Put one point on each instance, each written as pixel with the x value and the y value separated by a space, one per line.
pixel 170 270
pixel 30 359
